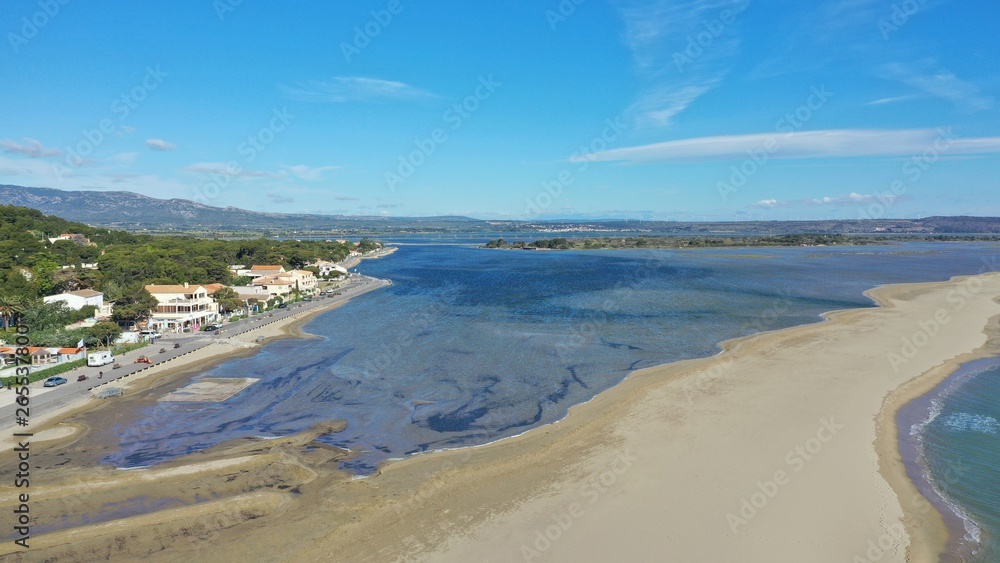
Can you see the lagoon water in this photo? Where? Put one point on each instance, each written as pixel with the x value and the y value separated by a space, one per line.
pixel 470 345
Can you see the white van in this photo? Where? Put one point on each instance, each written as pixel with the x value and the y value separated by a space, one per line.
pixel 104 358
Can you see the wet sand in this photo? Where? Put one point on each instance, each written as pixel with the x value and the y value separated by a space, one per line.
pixel 782 448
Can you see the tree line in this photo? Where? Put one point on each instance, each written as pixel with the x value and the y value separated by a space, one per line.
pixel 32 267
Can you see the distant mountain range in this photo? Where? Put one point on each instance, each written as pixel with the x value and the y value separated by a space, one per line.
pixel 131 211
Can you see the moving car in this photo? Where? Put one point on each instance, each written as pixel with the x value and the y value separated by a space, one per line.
pixel 211 328
pixel 54 381
pixel 282 305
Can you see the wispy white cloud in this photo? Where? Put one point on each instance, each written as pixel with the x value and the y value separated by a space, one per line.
pixel 850 199
pixel 803 144
pixel 839 15
pixel 160 145
pixel 280 198
pixel 226 170
pixel 26 167
pixel 658 106
pixel 892 100
pixel 125 157
pixel 930 78
pixel 343 89
pixel 304 172
pixel 30 147
pixel 677 58
pixel 56 175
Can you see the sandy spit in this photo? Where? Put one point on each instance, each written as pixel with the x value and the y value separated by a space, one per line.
pixel 782 448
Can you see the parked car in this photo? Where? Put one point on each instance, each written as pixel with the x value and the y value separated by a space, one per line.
pixel 100 358
pixel 322 293
pixel 54 381
pixel 282 305
pixel 211 328
pixel 307 298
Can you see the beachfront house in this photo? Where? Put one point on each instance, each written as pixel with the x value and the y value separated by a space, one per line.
pixel 330 269
pixel 247 293
pixel 280 284
pixel 261 271
pixel 43 356
pixel 181 307
pixel 274 286
pixel 304 280
pixel 211 288
pixel 78 299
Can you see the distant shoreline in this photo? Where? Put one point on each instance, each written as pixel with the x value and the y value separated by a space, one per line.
pixel 716 241
pixel 353 261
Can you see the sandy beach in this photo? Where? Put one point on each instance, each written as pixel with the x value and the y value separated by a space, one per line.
pixel 782 448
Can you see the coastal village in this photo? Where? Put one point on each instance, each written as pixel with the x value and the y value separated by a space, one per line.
pixel 173 308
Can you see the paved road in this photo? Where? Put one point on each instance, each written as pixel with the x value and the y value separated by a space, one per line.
pixel 47 399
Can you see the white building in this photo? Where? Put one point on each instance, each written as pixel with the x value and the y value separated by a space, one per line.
pixel 260 271
pixel 274 286
pixel 245 292
pixel 303 280
pixel 182 306
pixel 41 358
pixel 78 299
pixel 330 269
pixel 72 237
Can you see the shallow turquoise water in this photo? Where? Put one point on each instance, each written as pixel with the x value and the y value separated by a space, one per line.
pixel 960 437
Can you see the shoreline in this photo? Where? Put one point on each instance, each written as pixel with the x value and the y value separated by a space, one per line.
pixel 913 418
pixel 927 519
pixel 354 261
pixel 925 529
pixel 171 372
pixel 509 482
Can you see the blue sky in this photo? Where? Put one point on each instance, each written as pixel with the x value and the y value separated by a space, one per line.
pixel 649 109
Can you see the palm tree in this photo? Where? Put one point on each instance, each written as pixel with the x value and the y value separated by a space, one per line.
pixel 5 309
pixel 12 306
